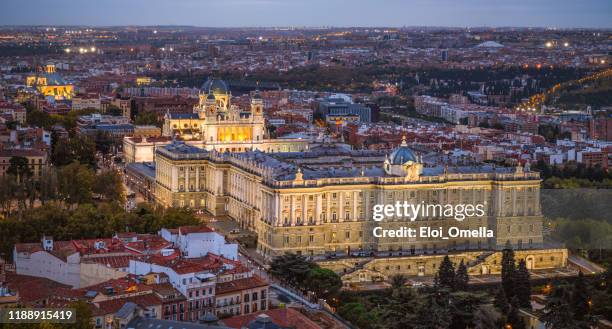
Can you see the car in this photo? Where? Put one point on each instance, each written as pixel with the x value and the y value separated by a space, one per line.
pixel 416 284
pixel 235 231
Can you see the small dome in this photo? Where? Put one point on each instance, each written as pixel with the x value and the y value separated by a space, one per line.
pixel 257 95
pixel 214 85
pixel 209 318
pixel 211 96
pixel 402 154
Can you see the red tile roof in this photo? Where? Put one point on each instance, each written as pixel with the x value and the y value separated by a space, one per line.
pixel 284 317
pixel 32 290
pixel 125 285
pixel 114 305
pixel 61 249
pixel 112 261
pixel 240 284
pixel 195 229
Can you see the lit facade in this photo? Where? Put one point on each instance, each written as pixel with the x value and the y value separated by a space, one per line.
pixel 320 203
pixel 50 83
pixel 217 124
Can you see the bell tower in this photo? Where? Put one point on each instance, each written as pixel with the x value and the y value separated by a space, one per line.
pixel 257 107
pixel 210 106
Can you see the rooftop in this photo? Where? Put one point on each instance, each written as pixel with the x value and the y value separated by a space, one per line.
pixel 240 284
pixel 148 323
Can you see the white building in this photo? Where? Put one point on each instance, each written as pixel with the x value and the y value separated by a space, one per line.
pixel 197 241
pixel 81 263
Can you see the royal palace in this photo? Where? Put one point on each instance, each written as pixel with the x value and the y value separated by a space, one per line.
pixel 317 200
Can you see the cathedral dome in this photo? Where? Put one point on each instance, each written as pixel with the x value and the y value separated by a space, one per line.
pixel 402 154
pixel 216 86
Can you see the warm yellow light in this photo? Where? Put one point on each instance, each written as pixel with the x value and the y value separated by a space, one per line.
pixel 566 44
pixel 548 44
pixel 67 50
pixel 93 49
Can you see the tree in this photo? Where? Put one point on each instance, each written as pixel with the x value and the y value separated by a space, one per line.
pixel 37 118
pixel 446 273
pixel 461 277
pixel 147 118
pixel 501 301
pixel 522 286
pixel 7 193
pixel 75 183
pixel 291 268
pixel 48 186
pixel 507 271
pixel 108 184
pixel 558 312
pixel 514 319
pixel 398 280
pixel 78 148
pixel 84 316
pixel 174 217
pixel 325 283
pixel 433 312
pixel 487 317
pixel 463 306
pixel 579 300
pixel 357 314
pixel 19 167
pixel 401 311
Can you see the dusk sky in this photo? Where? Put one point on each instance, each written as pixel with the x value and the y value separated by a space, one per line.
pixel 256 13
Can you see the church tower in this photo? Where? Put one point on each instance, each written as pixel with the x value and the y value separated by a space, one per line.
pixel 257 116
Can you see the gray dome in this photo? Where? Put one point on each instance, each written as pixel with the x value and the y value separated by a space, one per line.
pixel 214 85
pixel 263 321
pixel 402 154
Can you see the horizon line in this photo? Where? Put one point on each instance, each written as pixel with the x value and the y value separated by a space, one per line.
pixel 306 27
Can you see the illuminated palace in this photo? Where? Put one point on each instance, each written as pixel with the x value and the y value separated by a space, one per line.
pixel 217 124
pixel 50 83
pixel 320 203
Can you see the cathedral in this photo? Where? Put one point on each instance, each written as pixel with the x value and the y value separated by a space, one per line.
pixel 217 124
pixel 51 84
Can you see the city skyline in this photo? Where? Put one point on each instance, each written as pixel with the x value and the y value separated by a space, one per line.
pixel 316 13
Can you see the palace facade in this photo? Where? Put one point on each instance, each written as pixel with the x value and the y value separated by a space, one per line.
pixel 320 204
